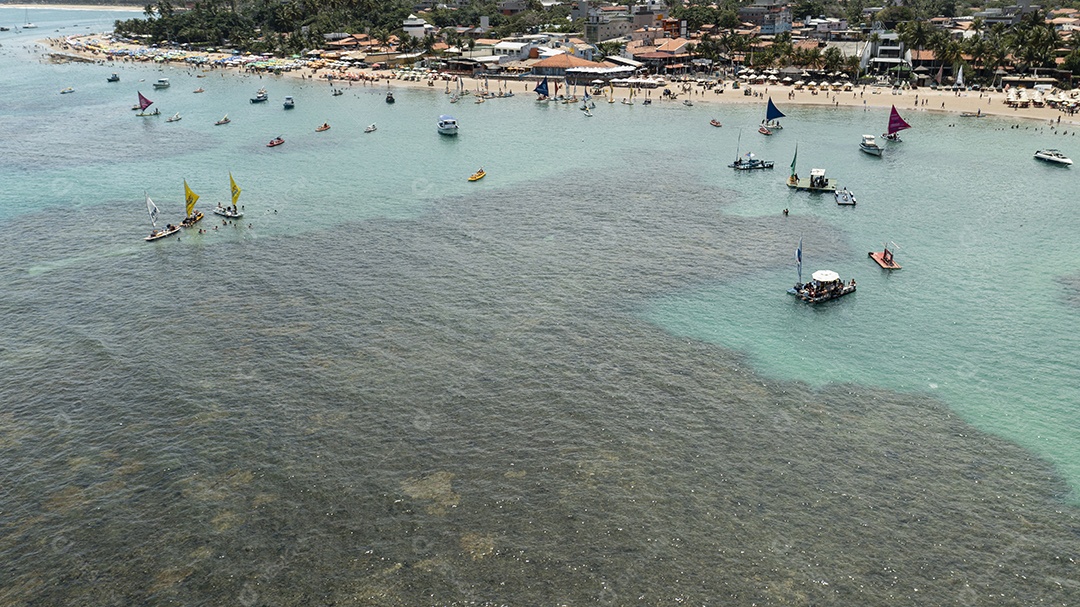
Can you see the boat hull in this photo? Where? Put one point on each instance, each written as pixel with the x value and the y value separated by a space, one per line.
pixel 228 212
pixel 162 233
pixel 872 150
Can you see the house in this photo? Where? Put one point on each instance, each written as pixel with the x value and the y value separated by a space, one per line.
pixel 417 27
pixel 772 16
pixel 512 7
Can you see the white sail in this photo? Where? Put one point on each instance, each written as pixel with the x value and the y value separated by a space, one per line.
pixel 960 77
pixel 152 209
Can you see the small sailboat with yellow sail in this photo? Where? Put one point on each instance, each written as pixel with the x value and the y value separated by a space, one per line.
pixel 231 212
pixel 193 216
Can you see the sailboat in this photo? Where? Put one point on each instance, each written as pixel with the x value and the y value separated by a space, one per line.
pixel 175 117
pixel 224 120
pixel 896 124
pixel 772 116
pixel 824 285
pixel 749 162
pixel 157 233
pixel 145 103
pixel 193 216
pixel 28 25
pixel 541 90
pixel 230 212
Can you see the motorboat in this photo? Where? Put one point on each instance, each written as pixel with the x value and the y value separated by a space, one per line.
pixel 477 176
pixel 844 197
pixel 824 285
pixel 1053 156
pixel 750 162
pixel 276 141
pixel 371 128
pixel 162 83
pixel 260 96
pixel 389 97
pixel 199 90
pixel 325 127
pixel 688 103
pixel 337 92
pixel 715 122
pixel 870 146
pixel 174 118
pixel 448 125
pixel 67 90
pixel 289 103
pixel 114 78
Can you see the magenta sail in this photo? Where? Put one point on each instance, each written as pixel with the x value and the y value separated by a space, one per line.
pixel 896 123
pixel 145 103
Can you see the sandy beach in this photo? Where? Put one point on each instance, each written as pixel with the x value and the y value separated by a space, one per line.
pixel 868 97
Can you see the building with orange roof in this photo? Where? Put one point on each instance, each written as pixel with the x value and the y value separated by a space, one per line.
pixel 556 65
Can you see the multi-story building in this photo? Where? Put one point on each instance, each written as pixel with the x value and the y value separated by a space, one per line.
pixel 772 16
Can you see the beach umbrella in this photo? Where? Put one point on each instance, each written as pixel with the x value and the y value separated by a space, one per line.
pixel 787 79
pixel 799 83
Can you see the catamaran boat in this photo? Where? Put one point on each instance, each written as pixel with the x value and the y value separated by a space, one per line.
pixel 1053 156
pixel 289 103
pixel 870 146
pixel 162 83
pixel 448 125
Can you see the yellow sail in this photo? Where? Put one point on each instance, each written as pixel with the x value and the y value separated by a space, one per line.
pixel 190 198
pixel 235 190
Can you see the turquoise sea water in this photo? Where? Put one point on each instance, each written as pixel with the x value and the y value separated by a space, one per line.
pixel 578 381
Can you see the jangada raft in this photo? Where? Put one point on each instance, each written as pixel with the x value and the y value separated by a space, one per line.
pixel 823 286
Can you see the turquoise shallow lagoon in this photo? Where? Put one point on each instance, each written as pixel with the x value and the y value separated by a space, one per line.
pixel 577 381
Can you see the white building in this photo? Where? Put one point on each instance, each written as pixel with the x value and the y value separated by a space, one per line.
pixel 417 27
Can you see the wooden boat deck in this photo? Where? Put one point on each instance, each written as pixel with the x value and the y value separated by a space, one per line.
pixel 886 262
pixel 804 184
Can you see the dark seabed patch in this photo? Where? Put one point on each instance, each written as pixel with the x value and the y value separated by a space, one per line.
pixel 464 409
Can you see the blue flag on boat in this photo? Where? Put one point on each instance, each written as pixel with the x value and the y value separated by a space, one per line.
pixel 798 259
pixel 771 113
pixel 542 88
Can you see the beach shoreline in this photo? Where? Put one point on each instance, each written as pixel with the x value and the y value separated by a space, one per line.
pixel 870 98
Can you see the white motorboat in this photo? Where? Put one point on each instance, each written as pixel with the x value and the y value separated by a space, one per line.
pixel 448 125
pixel 844 197
pixel 1054 156
pixel 162 83
pixel 289 103
pixel 371 128
pixel 870 146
